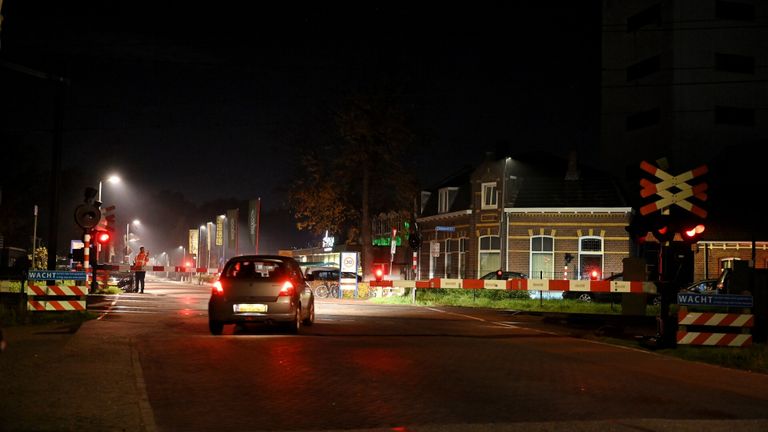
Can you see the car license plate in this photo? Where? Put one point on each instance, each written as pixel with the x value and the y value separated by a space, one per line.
pixel 248 307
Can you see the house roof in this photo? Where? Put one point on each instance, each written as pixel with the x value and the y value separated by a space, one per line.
pixel 537 180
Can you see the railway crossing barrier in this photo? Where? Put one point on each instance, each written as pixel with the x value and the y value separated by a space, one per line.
pixel 58 297
pixel 714 328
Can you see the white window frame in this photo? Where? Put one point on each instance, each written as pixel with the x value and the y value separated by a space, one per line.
pixel 551 254
pixel 489 196
pixel 445 199
pixel 583 253
pixel 481 251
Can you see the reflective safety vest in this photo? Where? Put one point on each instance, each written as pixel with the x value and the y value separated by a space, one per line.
pixel 141 259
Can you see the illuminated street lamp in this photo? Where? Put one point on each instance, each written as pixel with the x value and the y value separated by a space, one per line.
pixel 135 222
pixel 112 179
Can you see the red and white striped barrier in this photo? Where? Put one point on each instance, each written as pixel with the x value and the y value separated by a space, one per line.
pixel 57 290
pixel 713 319
pixel 55 305
pixel 172 269
pixel 39 298
pixel 714 339
pixel 525 285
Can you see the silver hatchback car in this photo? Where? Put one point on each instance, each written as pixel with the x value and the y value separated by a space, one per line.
pixel 261 288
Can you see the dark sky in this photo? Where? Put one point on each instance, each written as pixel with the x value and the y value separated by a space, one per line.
pixel 209 99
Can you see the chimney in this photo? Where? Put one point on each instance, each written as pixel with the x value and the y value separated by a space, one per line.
pixel 573 167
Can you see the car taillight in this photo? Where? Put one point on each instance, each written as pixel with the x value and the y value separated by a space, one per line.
pixel 218 289
pixel 287 289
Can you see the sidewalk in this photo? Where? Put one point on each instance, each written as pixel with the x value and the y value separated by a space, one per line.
pixel 54 377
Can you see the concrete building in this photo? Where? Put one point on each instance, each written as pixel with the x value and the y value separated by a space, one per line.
pixel 682 79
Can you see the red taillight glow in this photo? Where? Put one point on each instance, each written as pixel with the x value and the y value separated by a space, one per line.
pixel 218 289
pixel 287 289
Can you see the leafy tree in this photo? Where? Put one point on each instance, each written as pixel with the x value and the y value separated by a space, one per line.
pixel 338 180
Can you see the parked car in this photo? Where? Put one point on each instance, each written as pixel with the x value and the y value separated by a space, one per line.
pixel 503 275
pixel 506 275
pixel 605 297
pixel 261 288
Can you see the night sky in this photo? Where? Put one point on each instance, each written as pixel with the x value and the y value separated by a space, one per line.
pixel 209 99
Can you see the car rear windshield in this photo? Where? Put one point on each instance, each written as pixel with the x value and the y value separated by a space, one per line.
pixel 267 270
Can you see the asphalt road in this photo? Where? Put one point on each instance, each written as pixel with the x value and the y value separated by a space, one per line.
pixel 149 364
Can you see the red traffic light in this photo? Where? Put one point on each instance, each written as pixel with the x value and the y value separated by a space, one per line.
pixel 693 232
pixel 379 273
pixel 102 237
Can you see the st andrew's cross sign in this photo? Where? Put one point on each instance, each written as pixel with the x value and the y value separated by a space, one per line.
pixel 668 197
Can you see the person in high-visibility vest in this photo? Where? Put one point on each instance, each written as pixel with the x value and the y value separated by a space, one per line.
pixel 142 259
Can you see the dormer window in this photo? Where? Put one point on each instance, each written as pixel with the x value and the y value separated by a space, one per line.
pixel 489 196
pixel 445 199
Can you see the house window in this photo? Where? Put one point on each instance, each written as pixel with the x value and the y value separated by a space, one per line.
pixel 590 257
pixel 735 63
pixel 445 199
pixel 734 116
pixel 728 10
pixel 542 257
pixel 489 254
pixel 456 258
pixel 489 196
pixel 644 68
pixel 643 119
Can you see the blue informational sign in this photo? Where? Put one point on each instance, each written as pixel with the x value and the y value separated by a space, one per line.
pixel 56 275
pixel 445 228
pixel 733 300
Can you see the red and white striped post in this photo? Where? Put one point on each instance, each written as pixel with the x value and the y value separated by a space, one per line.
pixel 86 256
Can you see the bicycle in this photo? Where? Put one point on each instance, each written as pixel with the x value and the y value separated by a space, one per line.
pixel 328 289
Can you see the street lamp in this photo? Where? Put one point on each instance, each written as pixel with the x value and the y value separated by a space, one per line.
pixel 208 229
pixel 112 179
pixel 183 258
pixel 135 222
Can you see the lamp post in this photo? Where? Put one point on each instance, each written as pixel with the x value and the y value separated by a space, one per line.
pixel 208 228
pixel 114 179
pixel 183 258
pixel 128 239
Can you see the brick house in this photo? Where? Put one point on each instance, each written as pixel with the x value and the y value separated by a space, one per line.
pixel 534 213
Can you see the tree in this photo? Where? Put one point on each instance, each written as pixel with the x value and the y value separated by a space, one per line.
pixel 338 180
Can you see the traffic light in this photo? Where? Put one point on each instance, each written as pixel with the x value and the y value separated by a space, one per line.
pixel 379 274
pixel 102 236
pixel 414 240
pixel 88 215
pixel 691 233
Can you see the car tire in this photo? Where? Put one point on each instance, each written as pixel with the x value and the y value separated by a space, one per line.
pixel 584 297
pixel 216 327
pixel 295 325
pixel 310 316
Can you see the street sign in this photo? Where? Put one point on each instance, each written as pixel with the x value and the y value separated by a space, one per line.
pixel 668 182
pixel 434 249
pixel 733 300
pixel 445 228
pixel 56 275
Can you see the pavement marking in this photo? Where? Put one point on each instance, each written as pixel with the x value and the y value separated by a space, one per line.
pixel 497 323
